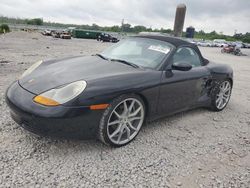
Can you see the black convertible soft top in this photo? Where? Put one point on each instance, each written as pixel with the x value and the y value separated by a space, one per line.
pixel 173 40
pixel 176 42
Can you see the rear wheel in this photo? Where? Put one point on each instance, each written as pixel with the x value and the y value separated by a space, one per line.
pixel 220 95
pixel 122 120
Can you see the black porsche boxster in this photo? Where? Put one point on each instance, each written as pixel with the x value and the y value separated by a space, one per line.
pixel 111 94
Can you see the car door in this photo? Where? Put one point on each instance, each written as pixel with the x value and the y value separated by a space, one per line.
pixel 181 89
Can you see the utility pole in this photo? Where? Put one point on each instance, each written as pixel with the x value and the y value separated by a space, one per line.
pixel 122 25
pixel 235 31
pixel 179 19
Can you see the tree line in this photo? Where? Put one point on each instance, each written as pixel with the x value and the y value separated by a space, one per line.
pixel 127 28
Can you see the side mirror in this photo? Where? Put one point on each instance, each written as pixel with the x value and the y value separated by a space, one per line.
pixel 182 67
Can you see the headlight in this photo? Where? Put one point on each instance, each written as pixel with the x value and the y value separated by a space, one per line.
pixel 32 67
pixel 61 95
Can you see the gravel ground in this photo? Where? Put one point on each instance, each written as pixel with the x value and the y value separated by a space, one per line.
pixel 198 148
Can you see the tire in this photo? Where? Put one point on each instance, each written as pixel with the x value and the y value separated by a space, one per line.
pixel 217 93
pixel 222 51
pixel 238 53
pixel 117 134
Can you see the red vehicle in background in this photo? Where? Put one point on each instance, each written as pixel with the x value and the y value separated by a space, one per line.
pixel 232 49
pixel 227 49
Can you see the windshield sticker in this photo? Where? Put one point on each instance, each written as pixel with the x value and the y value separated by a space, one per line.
pixel 159 48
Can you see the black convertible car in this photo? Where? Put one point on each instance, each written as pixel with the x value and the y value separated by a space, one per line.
pixel 110 95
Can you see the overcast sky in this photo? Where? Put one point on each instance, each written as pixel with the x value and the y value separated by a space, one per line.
pixel 221 15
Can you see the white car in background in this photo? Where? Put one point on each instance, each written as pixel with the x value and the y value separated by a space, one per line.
pixel 219 43
pixel 239 44
pixel 246 45
pixel 204 43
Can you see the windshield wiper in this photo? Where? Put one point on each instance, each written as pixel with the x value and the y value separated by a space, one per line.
pixel 126 62
pixel 119 60
pixel 101 56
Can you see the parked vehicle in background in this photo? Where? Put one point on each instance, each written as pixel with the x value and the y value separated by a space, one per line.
pixel 105 37
pixel 228 49
pixel 245 45
pixel 237 51
pixel 232 49
pixel 65 35
pixel 219 43
pixel 239 44
pixel 61 34
pixel 47 32
pixel 204 43
pixel 56 34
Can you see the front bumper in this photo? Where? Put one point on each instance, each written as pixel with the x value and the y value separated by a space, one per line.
pixel 59 121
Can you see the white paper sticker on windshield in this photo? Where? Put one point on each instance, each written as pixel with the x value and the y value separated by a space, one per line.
pixel 159 48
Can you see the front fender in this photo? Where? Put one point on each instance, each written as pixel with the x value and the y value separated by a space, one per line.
pixel 104 90
pixel 221 72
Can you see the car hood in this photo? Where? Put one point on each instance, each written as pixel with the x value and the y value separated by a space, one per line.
pixel 54 73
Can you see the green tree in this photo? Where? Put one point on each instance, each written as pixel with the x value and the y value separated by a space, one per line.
pixel 149 29
pixel 4 28
pixel 201 32
pixel 139 28
pixel 95 27
pixel 246 38
pixel 115 28
pixel 166 30
pixel 126 27
pixel 35 21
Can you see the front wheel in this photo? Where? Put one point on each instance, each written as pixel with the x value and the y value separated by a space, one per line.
pixel 238 53
pixel 122 120
pixel 220 95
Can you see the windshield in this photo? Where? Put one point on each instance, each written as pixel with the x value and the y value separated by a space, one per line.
pixel 143 52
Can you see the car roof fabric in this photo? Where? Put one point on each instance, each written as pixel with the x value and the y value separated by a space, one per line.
pixel 173 40
pixel 177 42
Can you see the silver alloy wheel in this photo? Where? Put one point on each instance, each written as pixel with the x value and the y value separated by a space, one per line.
pixel 223 96
pixel 125 121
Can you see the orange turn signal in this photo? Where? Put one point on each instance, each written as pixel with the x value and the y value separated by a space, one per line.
pixel 45 101
pixel 99 106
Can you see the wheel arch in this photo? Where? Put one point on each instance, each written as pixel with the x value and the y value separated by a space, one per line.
pixel 142 97
pixel 231 81
pixel 146 103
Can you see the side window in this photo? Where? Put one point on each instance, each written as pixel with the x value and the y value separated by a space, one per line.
pixel 187 55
